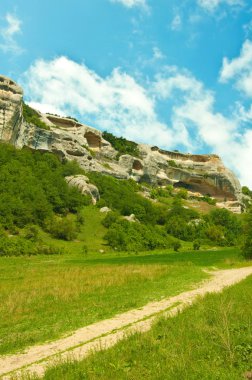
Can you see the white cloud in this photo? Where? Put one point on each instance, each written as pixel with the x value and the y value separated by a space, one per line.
pixel 239 69
pixel 8 33
pixel 176 23
pixel 203 125
pixel 248 28
pixel 212 5
pixel 117 103
pixel 132 3
pixel 157 54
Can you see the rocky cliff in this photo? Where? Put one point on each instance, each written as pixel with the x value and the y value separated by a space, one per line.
pixel 72 140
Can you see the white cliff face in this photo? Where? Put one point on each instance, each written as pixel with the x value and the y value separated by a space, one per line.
pixel 10 109
pixel 72 140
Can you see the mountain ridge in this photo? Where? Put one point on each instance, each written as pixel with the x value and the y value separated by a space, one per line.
pixel 71 140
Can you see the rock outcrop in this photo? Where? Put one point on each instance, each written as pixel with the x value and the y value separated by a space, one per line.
pixel 10 109
pixel 71 140
pixel 82 183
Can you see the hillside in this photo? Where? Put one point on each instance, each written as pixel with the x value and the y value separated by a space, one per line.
pixel 203 175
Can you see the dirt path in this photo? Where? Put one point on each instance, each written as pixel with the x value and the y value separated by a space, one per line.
pixel 106 333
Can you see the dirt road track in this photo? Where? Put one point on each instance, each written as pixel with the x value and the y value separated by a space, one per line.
pixel 107 333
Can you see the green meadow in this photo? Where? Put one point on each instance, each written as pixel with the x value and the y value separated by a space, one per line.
pixel 45 297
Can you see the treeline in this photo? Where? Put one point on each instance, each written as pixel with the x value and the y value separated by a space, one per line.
pixel 34 192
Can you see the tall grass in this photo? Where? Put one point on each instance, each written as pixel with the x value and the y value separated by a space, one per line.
pixel 40 299
pixel 44 297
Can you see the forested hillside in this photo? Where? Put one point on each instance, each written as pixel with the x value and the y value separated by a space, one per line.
pixel 36 197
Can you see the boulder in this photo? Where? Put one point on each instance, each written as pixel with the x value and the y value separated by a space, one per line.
pixel 105 210
pixel 131 218
pixel 82 183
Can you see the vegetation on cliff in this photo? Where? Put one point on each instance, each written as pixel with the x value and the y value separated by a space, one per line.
pixel 122 145
pixel 32 117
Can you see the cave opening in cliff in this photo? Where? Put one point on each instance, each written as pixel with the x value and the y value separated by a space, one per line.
pixel 196 188
pixel 184 185
pixel 93 140
pixel 137 165
pixel 206 189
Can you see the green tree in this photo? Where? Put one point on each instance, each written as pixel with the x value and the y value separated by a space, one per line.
pixel 63 228
pixel 247 236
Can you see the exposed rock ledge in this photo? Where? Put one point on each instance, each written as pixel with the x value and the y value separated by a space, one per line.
pixel 70 139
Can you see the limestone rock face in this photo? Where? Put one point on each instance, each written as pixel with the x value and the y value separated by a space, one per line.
pixel 71 140
pixel 82 183
pixel 10 109
pixel 205 174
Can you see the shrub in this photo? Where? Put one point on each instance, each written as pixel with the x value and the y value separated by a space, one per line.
pixel 71 168
pixel 183 193
pixel 122 145
pixel 174 164
pixel 180 223
pixel 246 191
pixel 31 233
pixel 80 220
pixel 32 117
pixel 121 195
pixel 196 245
pixel 247 236
pixel 110 218
pixel 215 234
pixel 62 228
pixel 176 246
pixel 178 227
pixel 247 248
pixel 84 249
pixel 126 236
pixel 208 199
pixel 164 192
pixel 19 246
pixel 224 227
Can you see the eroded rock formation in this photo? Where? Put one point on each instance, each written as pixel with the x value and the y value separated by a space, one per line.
pixel 82 183
pixel 70 139
pixel 10 109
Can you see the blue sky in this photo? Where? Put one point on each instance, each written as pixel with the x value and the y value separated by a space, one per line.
pixel 177 76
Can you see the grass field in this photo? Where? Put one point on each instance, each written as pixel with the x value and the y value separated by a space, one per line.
pixel 43 297
pixel 211 340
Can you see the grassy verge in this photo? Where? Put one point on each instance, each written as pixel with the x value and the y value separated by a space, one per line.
pixel 210 340
pixel 43 297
